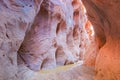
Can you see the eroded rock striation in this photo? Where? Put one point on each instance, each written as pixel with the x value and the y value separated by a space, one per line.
pixel 56 36
pixel 40 34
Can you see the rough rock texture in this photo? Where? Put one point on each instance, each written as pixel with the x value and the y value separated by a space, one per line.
pixel 57 35
pixel 104 15
pixel 40 34
pixel 15 18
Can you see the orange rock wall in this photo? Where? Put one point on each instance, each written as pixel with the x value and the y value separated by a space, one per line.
pixel 104 15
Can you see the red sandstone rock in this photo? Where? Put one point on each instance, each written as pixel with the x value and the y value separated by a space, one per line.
pixel 104 15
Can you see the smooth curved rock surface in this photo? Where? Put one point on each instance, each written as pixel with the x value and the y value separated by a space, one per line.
pixel 104 15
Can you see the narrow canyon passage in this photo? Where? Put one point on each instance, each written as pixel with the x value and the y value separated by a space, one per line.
pixel 68 72
pixel 59 40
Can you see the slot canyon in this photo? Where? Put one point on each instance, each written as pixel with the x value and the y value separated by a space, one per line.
pixel 59 39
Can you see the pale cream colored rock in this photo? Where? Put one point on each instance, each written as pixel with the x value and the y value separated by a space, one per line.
pixel 15 18
pixel 55 38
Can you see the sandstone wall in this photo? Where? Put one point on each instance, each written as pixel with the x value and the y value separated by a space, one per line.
pixel 57 37
pixel 104 15
pixel 40 34
pixel 15 18
pixel 44 34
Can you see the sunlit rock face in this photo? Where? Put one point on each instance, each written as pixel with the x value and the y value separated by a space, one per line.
pixel 104 15
pixel 57 35
pixel 91 49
